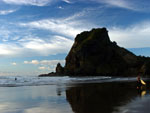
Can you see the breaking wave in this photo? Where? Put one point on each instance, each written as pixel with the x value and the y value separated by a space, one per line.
pixel 15 81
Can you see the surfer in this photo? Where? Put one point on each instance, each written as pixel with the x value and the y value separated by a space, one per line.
pixel 15 79
pixel 139 84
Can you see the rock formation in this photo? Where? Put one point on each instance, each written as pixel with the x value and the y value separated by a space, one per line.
pixel 59 69
pixel 93 53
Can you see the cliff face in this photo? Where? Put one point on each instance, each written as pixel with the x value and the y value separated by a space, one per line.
pixel 94 54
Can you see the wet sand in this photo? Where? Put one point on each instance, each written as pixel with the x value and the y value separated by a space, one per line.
pixel 109 97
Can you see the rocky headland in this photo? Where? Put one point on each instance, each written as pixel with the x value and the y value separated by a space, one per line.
pixel 94 54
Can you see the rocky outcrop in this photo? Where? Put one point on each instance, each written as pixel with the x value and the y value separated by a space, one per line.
pixel 93 53
pixel 47 75
pixel 59 69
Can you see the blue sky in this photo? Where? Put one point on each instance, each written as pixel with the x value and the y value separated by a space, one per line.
pixel 37 34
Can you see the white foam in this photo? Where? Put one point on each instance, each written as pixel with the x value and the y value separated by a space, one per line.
pixel 9 81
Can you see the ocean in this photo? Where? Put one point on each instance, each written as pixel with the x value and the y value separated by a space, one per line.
pixel 24 94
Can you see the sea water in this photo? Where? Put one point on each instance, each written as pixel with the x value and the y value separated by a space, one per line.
pixel 72 95
pixel 15 81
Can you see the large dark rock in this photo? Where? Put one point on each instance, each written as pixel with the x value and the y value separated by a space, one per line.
pixel 93 53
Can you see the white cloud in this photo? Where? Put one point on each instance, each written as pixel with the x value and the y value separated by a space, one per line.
pixel 26 62
pixel 60 26
pixel 5 12
pixel 67 1
pixel 120 3
pixel 40 109
pixel 35 62
pixel 42 68
pixel 60 7
pixel 4 34
pixel 47 68
pixel 49 65
pixel 36 47
pixel 8 49
pixel 55 45
pixel 52 62
pixel 126 4
pixel 135 36
pixel 29 2
pixel 14 63
pixel 45 62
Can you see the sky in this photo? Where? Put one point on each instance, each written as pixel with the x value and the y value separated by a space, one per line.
pixel 37 34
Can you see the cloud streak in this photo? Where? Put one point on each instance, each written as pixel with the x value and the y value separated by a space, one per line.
pixel 134 5
pixel 49 65
pixel 54 45
pixel 60 26
pixel 134 36
pixel 45 62
pixel 36 47
pixel 67 1
pixel 118 3
pixel 28 2
pixel 6 12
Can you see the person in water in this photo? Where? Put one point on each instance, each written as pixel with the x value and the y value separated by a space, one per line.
pixel 139 84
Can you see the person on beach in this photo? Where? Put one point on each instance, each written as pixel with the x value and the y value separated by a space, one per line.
pixel 139 84
pixel 15 79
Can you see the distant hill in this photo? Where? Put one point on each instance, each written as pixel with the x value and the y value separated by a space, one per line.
pixel 94 54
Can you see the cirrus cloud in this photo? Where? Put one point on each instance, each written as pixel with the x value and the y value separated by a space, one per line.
pixel 134 36
pixel 5 12
pixel 36 47
pixel 67 1
pixel 28 2
pixel 62 27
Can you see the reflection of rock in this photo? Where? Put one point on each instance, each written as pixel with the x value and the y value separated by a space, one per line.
pixel 100 98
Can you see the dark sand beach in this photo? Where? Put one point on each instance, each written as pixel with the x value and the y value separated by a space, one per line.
pixel 111 96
